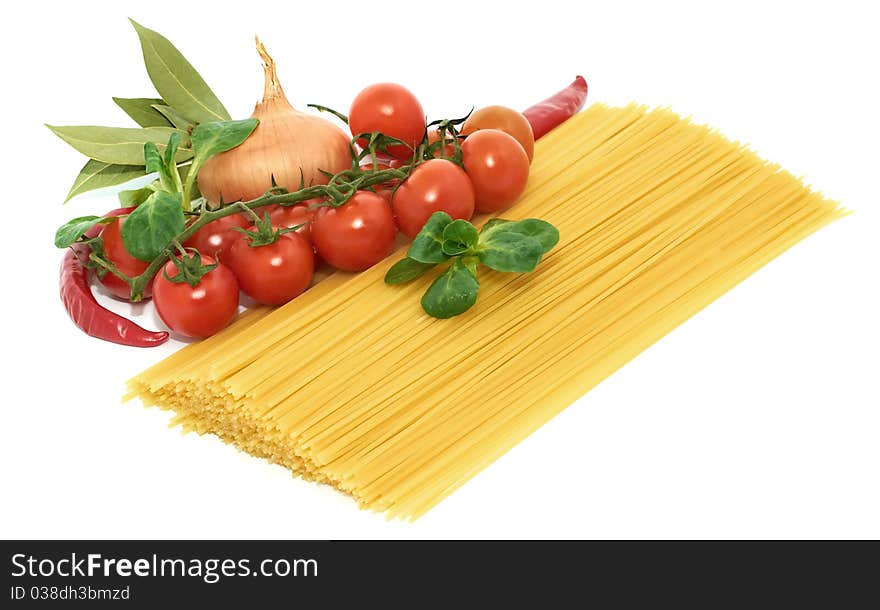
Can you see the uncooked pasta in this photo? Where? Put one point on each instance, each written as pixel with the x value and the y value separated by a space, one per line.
pixel 352 384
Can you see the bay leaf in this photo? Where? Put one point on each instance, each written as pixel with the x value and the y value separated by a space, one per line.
pixel 121 145
pixel 176 80
pixel 142 111
pixel 97 174
pixel 171 116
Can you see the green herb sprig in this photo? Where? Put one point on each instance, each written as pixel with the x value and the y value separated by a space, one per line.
pixel 502 245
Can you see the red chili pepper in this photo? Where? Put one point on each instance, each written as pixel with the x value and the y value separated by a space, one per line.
pixel 85 310
pixel 557 108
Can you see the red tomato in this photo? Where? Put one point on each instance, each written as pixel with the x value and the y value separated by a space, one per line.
pixel 356 235
pixel 434 186
pixel 198 311
pixel 275 273
pixel 498 167
pixel 299 214
pixel 216 238
pixel 384 192
pixel 392 110
pixel 115 252
pixel 507 120
pixel 293 215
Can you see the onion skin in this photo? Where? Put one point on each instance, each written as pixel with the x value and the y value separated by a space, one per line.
pixel 285 142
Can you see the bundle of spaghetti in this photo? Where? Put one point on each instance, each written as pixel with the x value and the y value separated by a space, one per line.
pixel 353 385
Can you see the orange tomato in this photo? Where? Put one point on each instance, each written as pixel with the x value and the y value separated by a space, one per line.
pixel 505 119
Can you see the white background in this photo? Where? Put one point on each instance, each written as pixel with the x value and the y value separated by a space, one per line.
pixel 757 418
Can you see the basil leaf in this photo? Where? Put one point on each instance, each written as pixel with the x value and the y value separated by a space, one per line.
pixel 452 293
pixel 176 80
pixel 97 175
pixel 470 263
pixel 541 230
pixel 72 230
pixel 152 225
pixel 452 248
pixel 492 225
pixel 209 139
pixel 427 247
pixel 406 269
pixel 130 199
pixel 459 236
pixel 156 163
pixel 117 145
pixel 504 250
pixel 172 116
pixel 141 110
pixel 183 170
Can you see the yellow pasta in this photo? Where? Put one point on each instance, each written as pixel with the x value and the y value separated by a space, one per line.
pixel 353 385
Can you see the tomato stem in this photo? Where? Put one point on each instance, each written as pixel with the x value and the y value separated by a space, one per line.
pixel 338 193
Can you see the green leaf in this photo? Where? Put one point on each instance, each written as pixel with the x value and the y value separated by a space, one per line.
pixel 183 170
pixel 152 225
pixel 163 164
pixel 176 80
pixel 493 224
pixel 470 262
pixel 453 248
pixel 130 199
pixel 541 230
pixel 509 251
pixel 118 145
pixel 209 139
pixel 406 269
pixel 68 233
pixel 459 237
pixel 156 163
pixel 171 151
pixel 97 174
pixel 427 247
pixel 172 116
pixel 452 293
pixel 142 111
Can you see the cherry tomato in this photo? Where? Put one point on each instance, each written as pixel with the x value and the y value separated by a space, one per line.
pixel 115 252
pixel 446 151
pixel 275 273
pixel 198 311
pixel 356 235
pixel 434 186
pixel 216 238
pixel 392 110
pixel 293 215
pixel 507 120
pixel 498 167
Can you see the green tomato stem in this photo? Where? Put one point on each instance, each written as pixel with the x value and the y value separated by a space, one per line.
pixel 139 283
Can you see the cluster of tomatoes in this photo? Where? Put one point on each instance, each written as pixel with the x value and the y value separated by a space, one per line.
pixel 272 266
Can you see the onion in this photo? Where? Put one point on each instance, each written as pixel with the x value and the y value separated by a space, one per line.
pixel 287 144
